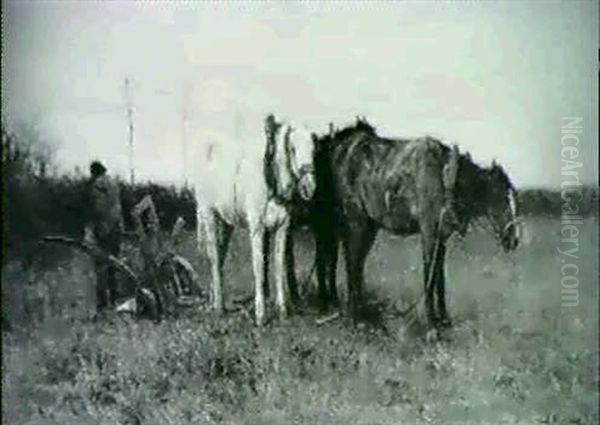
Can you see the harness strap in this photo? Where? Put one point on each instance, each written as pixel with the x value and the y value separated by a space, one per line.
pixel 429 282
pixel 278 198
pixel 515 222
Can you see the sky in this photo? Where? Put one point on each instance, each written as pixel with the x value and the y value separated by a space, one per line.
pixel 494 77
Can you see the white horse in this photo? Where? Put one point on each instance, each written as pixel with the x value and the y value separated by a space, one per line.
pixel 254 189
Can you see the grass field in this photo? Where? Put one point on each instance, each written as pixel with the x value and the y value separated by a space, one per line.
pixel 514 356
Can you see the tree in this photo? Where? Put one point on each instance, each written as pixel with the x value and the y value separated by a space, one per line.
pixel 27 166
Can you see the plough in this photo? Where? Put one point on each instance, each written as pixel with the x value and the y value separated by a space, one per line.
pixel 165 282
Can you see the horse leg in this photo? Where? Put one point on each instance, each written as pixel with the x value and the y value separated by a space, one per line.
pixel 218 234
pixel 440 292
pixel 267 250
pixel 257 238
pixel 332 255
pixel 281 236
pixel 357 243
pixel 322 260
pixel 428 288
pixel 327 255
pixel 434 251
pixel 291 268
pixel 205 223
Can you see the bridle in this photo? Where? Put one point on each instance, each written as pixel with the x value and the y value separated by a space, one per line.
pixel 303 171
pixel 513 222
pixel 297 173
pixel 286 195
pixel 275 193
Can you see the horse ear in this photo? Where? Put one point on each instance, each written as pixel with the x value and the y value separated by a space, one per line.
pixel 269 122
pixel 451 168
pixel 317 141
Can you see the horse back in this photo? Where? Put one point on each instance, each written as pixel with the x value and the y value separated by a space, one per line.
pixel 230 183
pixel 391 182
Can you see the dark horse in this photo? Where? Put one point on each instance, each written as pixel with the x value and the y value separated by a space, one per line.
pixel 318 215
pixel 366 183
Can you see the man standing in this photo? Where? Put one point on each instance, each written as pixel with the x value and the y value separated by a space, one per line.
pixel 104 228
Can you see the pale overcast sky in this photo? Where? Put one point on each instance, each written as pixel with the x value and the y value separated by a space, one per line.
pixel 496 78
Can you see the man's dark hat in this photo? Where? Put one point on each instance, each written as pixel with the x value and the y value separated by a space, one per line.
pixel 97 169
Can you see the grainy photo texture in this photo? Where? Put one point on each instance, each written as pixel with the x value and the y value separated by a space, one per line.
pixel 325 212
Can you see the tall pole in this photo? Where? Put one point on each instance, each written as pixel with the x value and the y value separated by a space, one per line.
pixel 184 152
pixel 185 116
pixel 129 106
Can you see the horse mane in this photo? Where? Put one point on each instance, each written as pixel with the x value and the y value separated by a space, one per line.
pixel 496 170
pixel 474 181
pixel 272 127
pixel 361 125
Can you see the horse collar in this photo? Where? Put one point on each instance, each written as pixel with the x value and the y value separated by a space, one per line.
pixel 278 198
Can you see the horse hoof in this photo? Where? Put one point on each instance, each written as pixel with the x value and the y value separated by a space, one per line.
pixel 260 321
pixel 432 335
pixel 445 323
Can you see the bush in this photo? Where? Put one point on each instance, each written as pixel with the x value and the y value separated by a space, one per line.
pixel 37 203
pixel 545 202
pixel 170 203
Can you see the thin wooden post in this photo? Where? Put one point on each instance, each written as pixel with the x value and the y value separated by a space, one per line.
pixel 129 106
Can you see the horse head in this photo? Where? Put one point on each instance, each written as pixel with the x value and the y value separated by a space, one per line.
pixel 300 147
pixel 288 160
pixel 502 207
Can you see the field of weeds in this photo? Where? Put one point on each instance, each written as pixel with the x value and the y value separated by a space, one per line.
pixel 514 355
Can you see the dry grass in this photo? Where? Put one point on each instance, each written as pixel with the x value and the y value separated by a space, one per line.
pixel 515 356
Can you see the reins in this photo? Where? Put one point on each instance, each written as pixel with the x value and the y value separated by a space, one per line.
pixel 514 222
pixel 429 282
